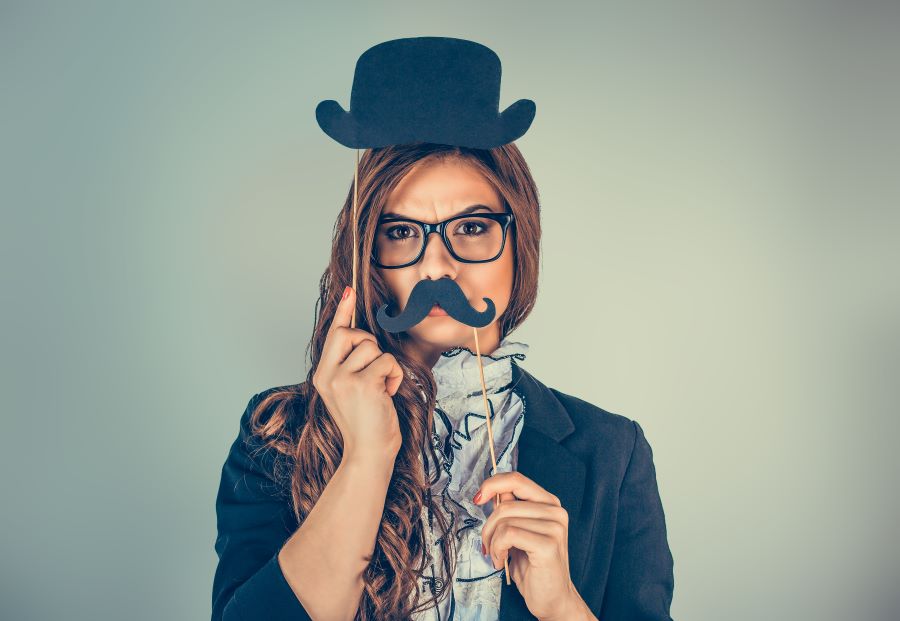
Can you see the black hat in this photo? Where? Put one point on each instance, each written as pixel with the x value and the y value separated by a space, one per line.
pixel 426 89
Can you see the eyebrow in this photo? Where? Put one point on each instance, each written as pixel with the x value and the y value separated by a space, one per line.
pixel 468 209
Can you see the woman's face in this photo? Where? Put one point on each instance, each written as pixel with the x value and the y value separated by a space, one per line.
pixel 431 192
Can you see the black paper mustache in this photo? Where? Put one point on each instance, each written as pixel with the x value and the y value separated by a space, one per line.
pixel 423 297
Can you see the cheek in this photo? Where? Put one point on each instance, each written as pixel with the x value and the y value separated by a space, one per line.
pixel 496 282
pixel 506 268
pixel 398 284
pixel 389 279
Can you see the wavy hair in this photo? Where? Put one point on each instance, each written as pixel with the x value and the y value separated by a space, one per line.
pixel 294 421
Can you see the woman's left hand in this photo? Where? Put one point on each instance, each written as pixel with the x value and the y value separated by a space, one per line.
pixel 532 527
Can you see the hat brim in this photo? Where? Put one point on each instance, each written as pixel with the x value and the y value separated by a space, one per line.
pixel 344 128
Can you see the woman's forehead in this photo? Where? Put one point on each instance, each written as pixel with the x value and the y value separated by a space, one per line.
pixel 439 190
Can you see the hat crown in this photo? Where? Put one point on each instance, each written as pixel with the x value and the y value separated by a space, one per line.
pixel 420 75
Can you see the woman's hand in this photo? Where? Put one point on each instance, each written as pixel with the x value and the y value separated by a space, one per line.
pixel 532 527
pixel 356 381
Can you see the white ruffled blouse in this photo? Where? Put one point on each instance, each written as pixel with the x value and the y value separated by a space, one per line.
pixel 460 436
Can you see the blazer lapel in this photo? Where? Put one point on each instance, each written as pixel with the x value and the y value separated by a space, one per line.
pixel 545 461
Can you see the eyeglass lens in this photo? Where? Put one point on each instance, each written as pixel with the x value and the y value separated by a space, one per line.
pixel 472 238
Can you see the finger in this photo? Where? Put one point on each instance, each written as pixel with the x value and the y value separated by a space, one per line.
pixel 394 378
pixel 362 356
pixel 344 311
pixel 503 497
pixel 555 518
pixel 551 529
pixel 521 487
pixel 337 349
pixel 540 548
pixel 339 345
pixel 385 370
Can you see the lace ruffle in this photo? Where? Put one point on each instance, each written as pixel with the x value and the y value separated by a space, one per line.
pixel 459 432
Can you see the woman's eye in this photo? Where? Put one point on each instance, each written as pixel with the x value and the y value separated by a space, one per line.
pixel 471 228
pixel 398 232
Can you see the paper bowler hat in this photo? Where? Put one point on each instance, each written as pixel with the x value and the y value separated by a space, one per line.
pixel 426 89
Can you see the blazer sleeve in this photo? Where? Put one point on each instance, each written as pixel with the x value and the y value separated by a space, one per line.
pixel 254 520
pixel 641 579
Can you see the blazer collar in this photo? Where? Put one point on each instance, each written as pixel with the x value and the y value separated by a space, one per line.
pixel 545 461
pixel 551 418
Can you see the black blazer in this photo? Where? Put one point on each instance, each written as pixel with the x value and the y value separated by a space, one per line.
pixel 598 464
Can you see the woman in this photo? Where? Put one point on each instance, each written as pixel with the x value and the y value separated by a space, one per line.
pixel 347 496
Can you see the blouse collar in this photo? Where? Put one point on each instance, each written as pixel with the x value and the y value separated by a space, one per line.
pixel 456 371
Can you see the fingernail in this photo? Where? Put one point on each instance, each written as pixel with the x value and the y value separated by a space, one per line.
pixel 477 498
pixel 346 292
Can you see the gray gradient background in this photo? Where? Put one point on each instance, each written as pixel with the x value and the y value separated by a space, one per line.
pixel 730 282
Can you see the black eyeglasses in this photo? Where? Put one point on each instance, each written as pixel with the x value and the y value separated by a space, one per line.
pixel 470 238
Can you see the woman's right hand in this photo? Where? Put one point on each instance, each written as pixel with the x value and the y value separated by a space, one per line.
pixel 356 381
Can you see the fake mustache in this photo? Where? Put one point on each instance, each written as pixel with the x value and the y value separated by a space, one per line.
pixel 423 297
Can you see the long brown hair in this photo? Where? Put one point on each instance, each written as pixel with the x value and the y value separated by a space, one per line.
pixel 294 421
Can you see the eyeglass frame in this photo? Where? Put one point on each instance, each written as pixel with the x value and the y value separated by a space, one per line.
pixel 505 219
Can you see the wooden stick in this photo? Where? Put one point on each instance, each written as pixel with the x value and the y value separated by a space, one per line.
pixel 487 413
pixel 355 181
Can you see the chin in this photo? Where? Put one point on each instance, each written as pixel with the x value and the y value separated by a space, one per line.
pixel 440 332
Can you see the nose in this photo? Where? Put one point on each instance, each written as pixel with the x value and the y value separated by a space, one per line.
pixel 436 261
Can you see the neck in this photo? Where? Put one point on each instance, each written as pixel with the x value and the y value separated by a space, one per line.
pixel 428 353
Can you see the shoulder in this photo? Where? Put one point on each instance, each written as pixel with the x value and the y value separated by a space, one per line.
pixel 279 393
pixel 272 415
pixel 287 400
pixel 600 435
pixel 586 414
